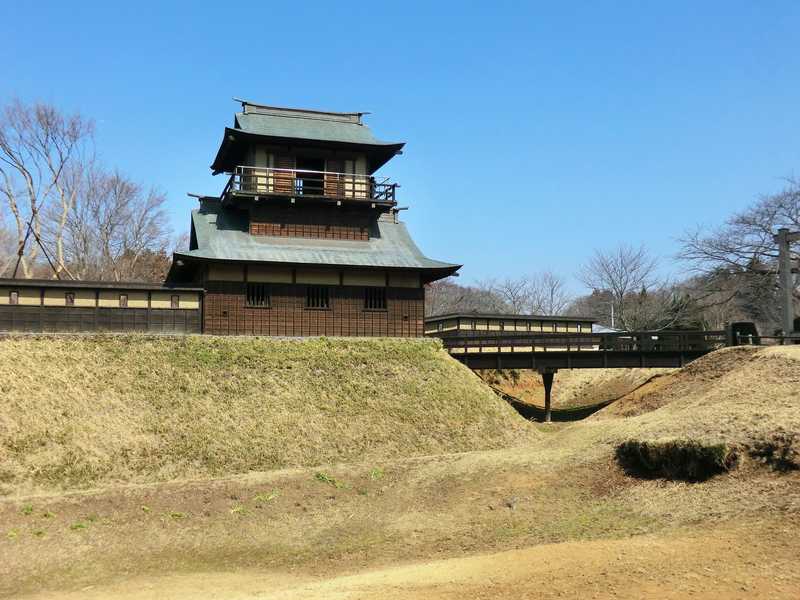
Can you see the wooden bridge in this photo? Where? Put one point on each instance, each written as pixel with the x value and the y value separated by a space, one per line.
pixel 547 353
pixel 483 350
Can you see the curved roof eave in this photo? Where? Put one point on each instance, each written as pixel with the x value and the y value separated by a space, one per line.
pixel 381 152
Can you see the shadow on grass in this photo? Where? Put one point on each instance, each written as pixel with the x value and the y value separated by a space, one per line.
pixel 682 460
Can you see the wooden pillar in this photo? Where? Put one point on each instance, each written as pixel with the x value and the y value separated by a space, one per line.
pixel 783 239
pixel 547 380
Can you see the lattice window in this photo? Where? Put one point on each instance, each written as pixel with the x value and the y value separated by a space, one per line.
pixel 318 296
pixel 258 295
pixel 375 298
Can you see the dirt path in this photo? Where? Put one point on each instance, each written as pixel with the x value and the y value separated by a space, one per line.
pixel 742 562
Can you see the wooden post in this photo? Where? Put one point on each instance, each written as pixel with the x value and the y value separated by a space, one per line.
pixel 783 239
pixel 547 380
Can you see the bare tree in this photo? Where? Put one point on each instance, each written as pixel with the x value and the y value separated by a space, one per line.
pixel 620 271
pixel 515 294
pixel 446 296
pixel 737 262
pixel 7 247
pixel 40 148
pixel 543 293
pixel 640 300
pixel 116 229
pixel 744 242
pixel 548 294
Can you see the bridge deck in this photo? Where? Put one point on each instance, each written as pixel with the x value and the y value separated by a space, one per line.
pixel 582 351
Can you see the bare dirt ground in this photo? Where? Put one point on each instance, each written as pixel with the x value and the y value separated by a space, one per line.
pixel 501 524
pixel 739 562
pixel 673 567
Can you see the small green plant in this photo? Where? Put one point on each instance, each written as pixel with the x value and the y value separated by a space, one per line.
pixel 239 510
pixel 174 514
pixel 325 478
pixel 376 474
pixel 38 532
pixel 12 534
pixel 27 509
pixel 77 526
pixel 145 508
pixel 47 514
pixel 265 497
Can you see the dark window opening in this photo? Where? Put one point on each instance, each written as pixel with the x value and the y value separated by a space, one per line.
pixel 174 301
pixel 375 298
pixel 310 177
pixel 318 296
pixel 13 297
pixel 258 295
pixel 69 298
pixel 123 300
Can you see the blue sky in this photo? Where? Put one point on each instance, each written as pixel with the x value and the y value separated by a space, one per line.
pixel 535 133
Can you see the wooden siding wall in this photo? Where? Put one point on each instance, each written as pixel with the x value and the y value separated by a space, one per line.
pixel 225 312
pixel 64 319
pixel 43 308
pixel 333 223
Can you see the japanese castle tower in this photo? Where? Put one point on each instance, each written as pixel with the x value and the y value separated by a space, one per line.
pixel 305 238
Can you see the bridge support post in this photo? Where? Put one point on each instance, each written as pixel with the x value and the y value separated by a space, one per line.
pixel 547 380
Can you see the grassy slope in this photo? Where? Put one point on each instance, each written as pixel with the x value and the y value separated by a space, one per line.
pixel 735 395
pixel 89 410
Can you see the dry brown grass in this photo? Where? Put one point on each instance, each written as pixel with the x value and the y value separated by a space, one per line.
pixel 744 398
pixel 80 411
pixel 735 395
pixel 562 487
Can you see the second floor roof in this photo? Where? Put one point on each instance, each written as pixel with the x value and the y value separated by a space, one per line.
pixel 258 123
pixel 218 233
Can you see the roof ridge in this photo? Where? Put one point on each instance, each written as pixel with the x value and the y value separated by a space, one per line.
pixel 301 113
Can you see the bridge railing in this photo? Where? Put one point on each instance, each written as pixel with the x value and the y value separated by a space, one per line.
pixel 641 341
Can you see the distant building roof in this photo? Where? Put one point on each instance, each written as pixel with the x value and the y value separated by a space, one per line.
pixel 223 234
pixel 275 124
pixel 102 285
pixel 475 315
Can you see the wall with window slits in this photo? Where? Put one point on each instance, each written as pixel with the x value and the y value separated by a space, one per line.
pixel 226 313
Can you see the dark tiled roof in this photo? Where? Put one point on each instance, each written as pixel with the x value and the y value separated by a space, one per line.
pixel 77 283
pixel 223 234
pixel 509 317
pixel 271 124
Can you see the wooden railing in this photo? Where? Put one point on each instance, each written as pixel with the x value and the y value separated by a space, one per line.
pixel 645 341
pixel 256 181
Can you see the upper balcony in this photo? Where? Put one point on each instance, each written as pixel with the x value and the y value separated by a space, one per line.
pixel 326 185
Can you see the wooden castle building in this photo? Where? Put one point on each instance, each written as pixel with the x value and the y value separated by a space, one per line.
pixel 305 239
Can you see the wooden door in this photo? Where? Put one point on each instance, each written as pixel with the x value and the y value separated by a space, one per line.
pixel 334 181
pixel 283 180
